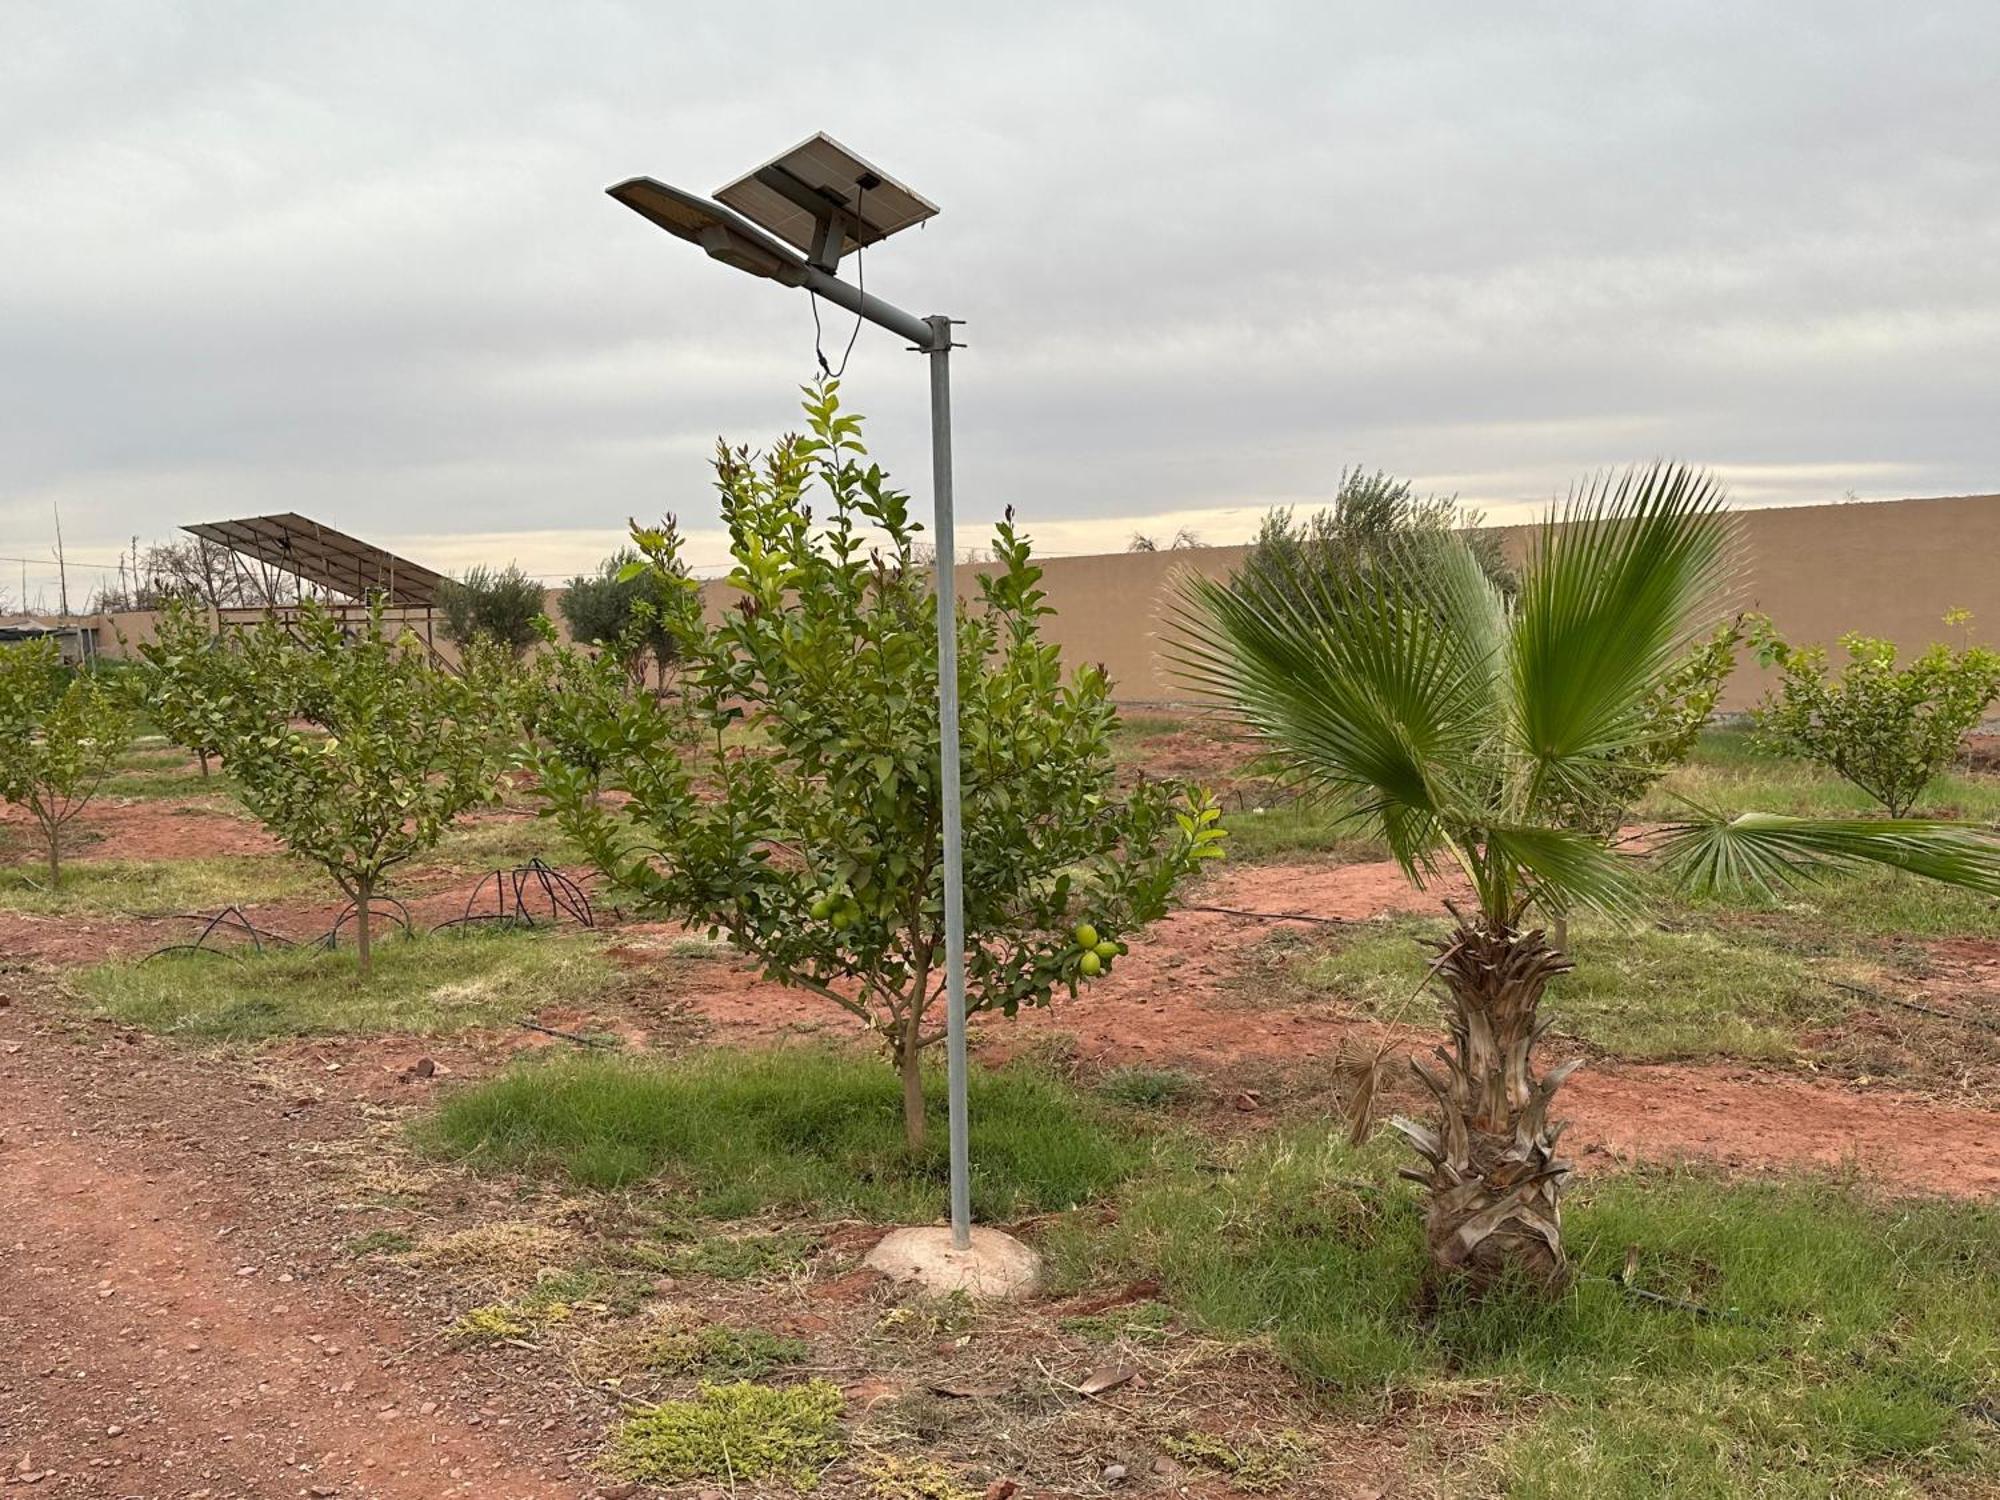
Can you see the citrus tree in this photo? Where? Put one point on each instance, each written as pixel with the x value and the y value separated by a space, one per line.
pixel 788 793
pixel 1464 728
pixel 1887 729
pixel 186 680
pixel 61 732
pixel 356 750
pixel 585 713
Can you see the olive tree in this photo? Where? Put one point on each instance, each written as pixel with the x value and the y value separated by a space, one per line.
pixel 356 750
pixel 495 605
pixel 61 732
pixel 618 608
pixel 788 794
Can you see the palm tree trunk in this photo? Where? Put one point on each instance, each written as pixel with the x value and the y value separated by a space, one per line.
pixel 1493 1176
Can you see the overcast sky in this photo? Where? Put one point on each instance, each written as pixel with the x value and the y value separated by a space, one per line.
pixel 355 260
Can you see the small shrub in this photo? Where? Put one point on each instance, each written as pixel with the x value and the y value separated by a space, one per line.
pixel 1888 730
pixel 493 1323
pixel 358 751
pixel 732 1432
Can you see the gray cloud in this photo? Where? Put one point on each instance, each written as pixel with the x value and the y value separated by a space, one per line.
pixel 355 260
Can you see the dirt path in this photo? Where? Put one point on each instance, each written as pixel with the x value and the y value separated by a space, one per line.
pixel 174 1327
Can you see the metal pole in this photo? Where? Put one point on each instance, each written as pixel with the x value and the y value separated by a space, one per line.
pixel 954 860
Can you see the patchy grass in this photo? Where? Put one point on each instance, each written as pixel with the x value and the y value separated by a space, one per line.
pixel 504 1256
pixel 1138 1323
pixel 153 888
pixel 427 986
pixel 378 1242
pixel 1135 729
pixel 1298 827
pixel 1865 904
pixel 496 844
pixel 798 1129
pixel 162 772
pixel 555 1297
pixel 1850 1346
pixel 1256 1463
pixel 718 1351
pixel 1729 770
pixel 1646 993
pixel 743 1257
pixel 732 1432
pixel 1150 1088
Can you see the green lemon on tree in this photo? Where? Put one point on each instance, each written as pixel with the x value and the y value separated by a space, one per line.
pixel 821 909
pixel 1085 935
pixel 1108 950
pixel 1091 965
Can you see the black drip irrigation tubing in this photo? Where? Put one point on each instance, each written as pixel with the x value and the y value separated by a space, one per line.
pixel 1274 916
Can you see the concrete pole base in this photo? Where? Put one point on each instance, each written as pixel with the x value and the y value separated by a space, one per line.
pixel 996 1265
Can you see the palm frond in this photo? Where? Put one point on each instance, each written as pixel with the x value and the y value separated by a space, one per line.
pixel 1372 694
pixel 1570 871
pixel 1717 853
pixel 1620 579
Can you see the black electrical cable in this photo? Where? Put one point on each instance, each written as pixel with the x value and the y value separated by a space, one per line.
pixel 861 278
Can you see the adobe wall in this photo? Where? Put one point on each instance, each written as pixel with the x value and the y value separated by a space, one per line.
pixel 1888 568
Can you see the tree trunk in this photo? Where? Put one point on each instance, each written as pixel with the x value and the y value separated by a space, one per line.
pixel 1493 1176
pixel 55 858
pixel 202 756
pixel 364 894
pixel 909 1058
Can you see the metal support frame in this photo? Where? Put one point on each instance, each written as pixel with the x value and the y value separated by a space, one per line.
pixel 954 838
pixel 728 237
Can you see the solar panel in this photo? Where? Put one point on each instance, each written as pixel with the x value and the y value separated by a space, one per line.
pixel 320 555
pixel 791 193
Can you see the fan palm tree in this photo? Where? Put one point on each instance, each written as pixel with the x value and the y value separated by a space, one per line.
pixel 1460 726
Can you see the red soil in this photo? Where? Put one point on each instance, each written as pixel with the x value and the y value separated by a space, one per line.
pixel 143 828
pixel 1187 996
pixel 176 1322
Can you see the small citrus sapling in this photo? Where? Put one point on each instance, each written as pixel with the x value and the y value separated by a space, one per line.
pixel 1887 729
pixel 788 793
pixel 61 732
pixel 356 750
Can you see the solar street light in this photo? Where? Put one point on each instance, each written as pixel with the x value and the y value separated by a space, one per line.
pixel 791 221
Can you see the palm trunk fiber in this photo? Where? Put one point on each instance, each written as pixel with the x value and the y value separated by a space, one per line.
pixel 1493 1176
